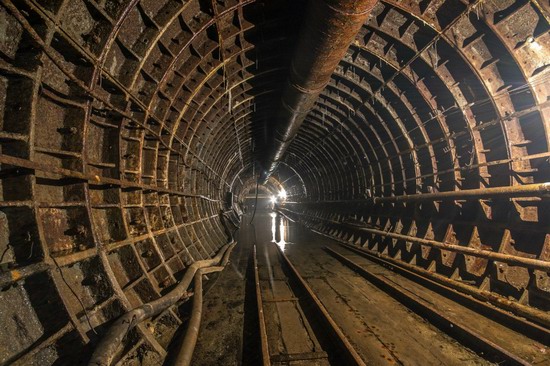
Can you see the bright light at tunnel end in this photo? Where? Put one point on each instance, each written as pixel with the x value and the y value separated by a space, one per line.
pixel 279 198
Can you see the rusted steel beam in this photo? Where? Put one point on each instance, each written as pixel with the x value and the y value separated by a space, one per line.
pixel 59 63
pixel 330 26
pixel 91 178
pixel 18 274
pixel 428 45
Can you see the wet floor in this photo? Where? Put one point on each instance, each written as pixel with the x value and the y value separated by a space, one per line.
pixel 362 311
pixel 382 330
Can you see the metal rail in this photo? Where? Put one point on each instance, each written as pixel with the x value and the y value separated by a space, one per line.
pixel 266 360
pixel 333 341
pixel 520 325
pixel 460 331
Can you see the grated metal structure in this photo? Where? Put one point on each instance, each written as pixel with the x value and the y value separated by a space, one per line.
pixel 124 123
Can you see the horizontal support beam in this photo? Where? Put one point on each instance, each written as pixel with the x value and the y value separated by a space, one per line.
pixel 18 274
pixel 527 190
pixel 91 178
pixel 480 253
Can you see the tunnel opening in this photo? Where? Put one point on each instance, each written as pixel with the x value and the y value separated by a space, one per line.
pixel 138 138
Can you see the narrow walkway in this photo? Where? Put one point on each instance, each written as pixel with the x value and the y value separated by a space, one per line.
pixel 381 329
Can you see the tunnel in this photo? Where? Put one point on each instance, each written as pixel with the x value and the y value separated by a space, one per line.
pixel 274 182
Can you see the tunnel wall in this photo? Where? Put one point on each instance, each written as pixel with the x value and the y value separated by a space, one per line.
pixel 124 124
pixel 437 97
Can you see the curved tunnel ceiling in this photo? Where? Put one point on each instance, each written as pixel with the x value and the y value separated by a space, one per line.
pixel 126 122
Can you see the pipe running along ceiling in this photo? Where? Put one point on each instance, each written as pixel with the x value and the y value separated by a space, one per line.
pixel 125 123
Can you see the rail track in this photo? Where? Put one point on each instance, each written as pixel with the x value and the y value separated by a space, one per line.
pixel 294 325
pixel 325 302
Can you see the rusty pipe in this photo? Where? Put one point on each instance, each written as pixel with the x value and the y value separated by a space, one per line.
pixel 513 260
pixel 185 354
pixel 527 190
pixel 540 190
pixel 109 344
pixel 190 340
pixel 330 26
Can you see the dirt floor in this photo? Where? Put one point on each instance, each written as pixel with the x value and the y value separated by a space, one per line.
pixel 221 334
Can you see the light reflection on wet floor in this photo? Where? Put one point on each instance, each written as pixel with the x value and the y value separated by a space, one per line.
pixel 357 306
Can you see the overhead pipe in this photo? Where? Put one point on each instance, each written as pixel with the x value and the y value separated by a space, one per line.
pixel 330 26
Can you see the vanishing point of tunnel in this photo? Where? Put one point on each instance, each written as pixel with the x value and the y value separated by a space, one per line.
pixel 274 182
